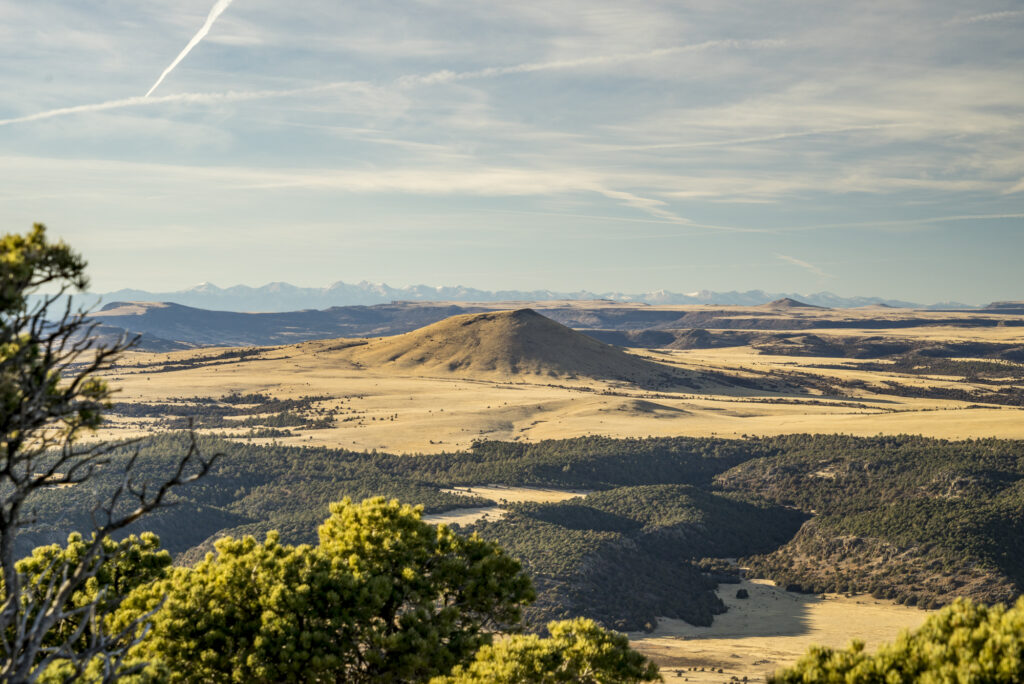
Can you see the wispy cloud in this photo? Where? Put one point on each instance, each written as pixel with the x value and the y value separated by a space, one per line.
pixel 490 181
pixel 1019 187
pixel 732 142
pixel 468 179
pixel 923 221
pixel 446 76
pixel 990 16
pixel 654 207
pixel 187 98
pixel 216 11
pixel 586 114
pixel 804 265
pixel 411 79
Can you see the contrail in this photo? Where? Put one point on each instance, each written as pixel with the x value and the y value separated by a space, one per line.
pixel 188 98
pixel 803 264
pixel 218 9
pixel 991 16
pixel 446 75
pixel 410 79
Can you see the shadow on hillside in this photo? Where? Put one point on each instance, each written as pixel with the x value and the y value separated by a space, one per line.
pixel 768 612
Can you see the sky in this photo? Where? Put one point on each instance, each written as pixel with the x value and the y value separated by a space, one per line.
pixel 864 148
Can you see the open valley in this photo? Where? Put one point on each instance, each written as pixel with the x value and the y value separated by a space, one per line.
pixel 519 378
pixel 541 342
pixel 725 391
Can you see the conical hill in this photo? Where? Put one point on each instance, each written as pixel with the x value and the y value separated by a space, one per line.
pixel 504 344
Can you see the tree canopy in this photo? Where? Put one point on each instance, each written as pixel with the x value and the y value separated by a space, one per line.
pixel 964 642
pixel 384 597
pixel 578 651
pixel 51 395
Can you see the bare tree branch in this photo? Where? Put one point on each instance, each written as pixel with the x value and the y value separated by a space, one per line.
pixel 51 395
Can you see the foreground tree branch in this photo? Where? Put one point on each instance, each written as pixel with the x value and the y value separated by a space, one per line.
pixel 51 397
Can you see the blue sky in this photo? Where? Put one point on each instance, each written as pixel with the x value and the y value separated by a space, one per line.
pixel 869 148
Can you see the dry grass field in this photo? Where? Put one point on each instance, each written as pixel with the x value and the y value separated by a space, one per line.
pixel 441 388
pixel 426 392
pixel 501 494
pixel 771 629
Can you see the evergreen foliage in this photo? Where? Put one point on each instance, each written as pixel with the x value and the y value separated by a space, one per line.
pixel 51 396
pixel 581 552
pixel 915 519
pixel 964 642
pixel 384 597
pixel 577 651
pixel 121 567
pixel 909 518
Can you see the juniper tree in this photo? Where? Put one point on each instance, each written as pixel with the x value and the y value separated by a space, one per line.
pixel 963 642
pixel 577 651
pixel 51 396
pixel 383 598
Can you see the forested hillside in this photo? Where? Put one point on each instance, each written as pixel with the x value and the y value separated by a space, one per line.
pixel 915 519
pixel 628 555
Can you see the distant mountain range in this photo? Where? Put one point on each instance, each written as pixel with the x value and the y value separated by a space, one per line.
pixel 167 326
pixel 279 297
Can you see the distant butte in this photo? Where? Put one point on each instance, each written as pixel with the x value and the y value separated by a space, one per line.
pixel 787 303
pixel 504 344
pixel 1005 307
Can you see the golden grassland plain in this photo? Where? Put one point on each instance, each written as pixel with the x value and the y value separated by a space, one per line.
pixel 501 494
pixel 770 629
pixel 394 409
pixel 402 408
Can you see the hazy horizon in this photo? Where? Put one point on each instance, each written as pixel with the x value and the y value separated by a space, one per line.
pixel 868 150
pixel 441 288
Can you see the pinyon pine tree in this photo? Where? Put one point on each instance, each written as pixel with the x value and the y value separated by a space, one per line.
pixel 963 642
pixel 51 395
pixel 384 597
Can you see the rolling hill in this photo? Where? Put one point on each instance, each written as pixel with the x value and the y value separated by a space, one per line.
pixel 505 344
pixel 788 303
pixel 191 327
